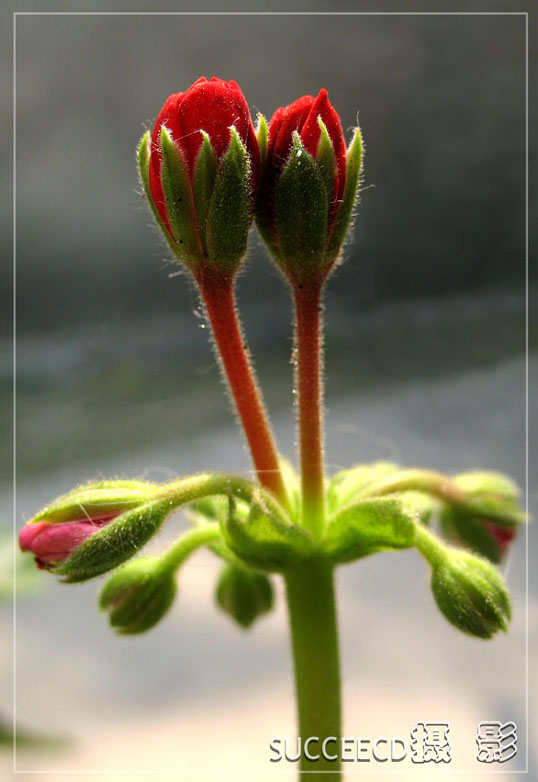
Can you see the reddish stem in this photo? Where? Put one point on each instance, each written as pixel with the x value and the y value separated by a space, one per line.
pixel 219 299
pixel 308 313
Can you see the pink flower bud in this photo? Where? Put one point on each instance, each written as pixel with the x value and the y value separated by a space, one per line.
pixel 52 542
pixel 64 525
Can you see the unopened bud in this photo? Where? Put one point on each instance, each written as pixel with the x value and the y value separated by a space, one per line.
pixel 138 595
pixel 244 594
pixel 471 593
pixel 60 528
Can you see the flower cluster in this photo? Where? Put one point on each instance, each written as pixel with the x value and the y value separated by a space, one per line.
pixel 206 171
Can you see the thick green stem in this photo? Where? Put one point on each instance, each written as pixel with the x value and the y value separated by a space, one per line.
pixel 309 369
pixel 314 634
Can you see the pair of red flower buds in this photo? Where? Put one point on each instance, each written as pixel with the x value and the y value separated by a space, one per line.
pixel 206 171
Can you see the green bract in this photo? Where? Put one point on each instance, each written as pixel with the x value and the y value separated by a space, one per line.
pixel 264 539
pixel 372 525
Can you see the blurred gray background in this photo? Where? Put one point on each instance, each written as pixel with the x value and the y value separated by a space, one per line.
pixel 425 360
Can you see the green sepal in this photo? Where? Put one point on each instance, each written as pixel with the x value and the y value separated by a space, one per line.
pixel 138 595
pixel 262 134
pixel 228 219
pixel 97 499
pixel 143 156
pixel 244 594
pixel 346 486
pixel 369 526
pixel 179 202
pixel 301 215
pixel 471 594
pixel 263 540
pixel 205 172
pixel 354 160
pixel 114 543
pixel 326 160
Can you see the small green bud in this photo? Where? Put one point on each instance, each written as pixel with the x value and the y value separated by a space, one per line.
pixel 470 593
pixel 138 595
pixel 244 594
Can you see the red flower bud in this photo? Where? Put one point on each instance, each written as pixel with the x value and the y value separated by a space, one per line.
pixel 52 542
pixel 309 185
pixel 302 116
pixel 201 176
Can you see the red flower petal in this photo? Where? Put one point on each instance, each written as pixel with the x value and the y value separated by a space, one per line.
pixel 212 106
pixel 311 132
pixel 283 122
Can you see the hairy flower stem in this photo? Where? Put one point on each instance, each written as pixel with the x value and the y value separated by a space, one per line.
pixel 219 300
pixel 187 544
pixel 314 634
pixel 309 367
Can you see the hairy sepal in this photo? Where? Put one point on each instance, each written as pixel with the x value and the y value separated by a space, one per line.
pixel 179 202
pixel 228 218
pixel 301 215
pixel 354 159
pixel 116 542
